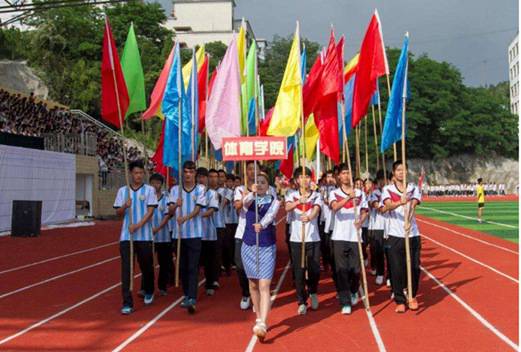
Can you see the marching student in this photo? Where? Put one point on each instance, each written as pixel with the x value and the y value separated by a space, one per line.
pixel 189 230
pixel 305 205
pixel 480 194
pixel 209 239
pixel 230 222
pixel 359 184
pixel 162 236
pixel 260 273
pixel 343 201
pixel 238 198
pixel 400 201
pixel 325 249
pixel 376 228
pixel 219 215
pixel 141 203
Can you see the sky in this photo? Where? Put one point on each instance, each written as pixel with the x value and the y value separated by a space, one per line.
pixel 473 35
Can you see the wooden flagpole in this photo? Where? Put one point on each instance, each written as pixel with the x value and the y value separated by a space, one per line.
pixel 357 150
pixel 381 128
pixel 179 189
pixel 366 150
pixel 125 160
pixel 375 141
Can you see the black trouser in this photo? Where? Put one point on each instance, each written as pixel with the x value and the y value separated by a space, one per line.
pixel 347 260
pixel 398 266
pixel 243 279
pixel 288 235
pixel 221 231
pixel 325 246
pixel 312 266
pixel 332 256
pixel 209 261
pixel 189 265
pixel 377 251
pixel 227 247
pixel 164 258
pixel 143 252
pixel 365 241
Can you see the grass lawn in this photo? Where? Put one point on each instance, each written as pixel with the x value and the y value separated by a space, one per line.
pixel 500 218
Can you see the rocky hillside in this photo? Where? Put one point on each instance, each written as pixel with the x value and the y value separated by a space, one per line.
pixel 17 76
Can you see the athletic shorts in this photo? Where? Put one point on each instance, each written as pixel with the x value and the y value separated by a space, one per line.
pixel 481 205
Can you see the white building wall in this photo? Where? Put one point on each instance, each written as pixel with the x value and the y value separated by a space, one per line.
pixel 513 74
pixel 204 16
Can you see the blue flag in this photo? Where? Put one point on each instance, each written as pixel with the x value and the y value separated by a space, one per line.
pixel 193 106
pixel 348 99
pixel 251 117
pixel 392 131
pixel 303 59
pixel 174 93
pixel 376 96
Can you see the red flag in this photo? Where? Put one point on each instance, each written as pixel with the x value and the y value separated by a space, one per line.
pixel 157 158
pixel 114 94
pixel 202 82
pixel 286 166
pixel 265 124
pixel 310 91
pixel 326 113
pixel 372 64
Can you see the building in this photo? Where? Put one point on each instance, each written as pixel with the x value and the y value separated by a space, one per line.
pixel 197 22
pixel 513 74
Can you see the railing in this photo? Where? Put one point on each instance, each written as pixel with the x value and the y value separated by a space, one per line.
pixel 112 179
pixel 83 115
pixel 84 144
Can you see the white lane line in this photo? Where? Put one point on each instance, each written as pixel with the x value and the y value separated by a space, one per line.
pixel 253 339
pixel 471 259
pixel 469 237
pixel 376 332
pixel 58 257
pixel 469 217
pixel 54 278
pixel 475 314
pixel 62 312
pixel 151 322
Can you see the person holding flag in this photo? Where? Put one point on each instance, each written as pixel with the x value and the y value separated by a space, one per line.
pixel 305 205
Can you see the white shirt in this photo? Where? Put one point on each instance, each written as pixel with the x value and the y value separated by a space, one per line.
pixel 344 229
pixel 377 219
pixel 311 231
pixel 238 193
pixel 395 219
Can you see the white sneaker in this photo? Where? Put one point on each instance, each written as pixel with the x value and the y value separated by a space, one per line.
pixel 379 280
pixel 245 303
pixel 210 292
pixel 314 301
pixel 346 310
pixel 388 283
pixel 366 262
pixel 302 309
pixel 216 284
pixel 354 299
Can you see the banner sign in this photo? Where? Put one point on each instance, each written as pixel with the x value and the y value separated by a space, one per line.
pixel 254 148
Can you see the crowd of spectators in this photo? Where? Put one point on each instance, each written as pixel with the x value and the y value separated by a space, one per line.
pixel 28 116
pixel 460 190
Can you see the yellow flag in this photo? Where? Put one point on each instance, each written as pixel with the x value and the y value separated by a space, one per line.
pixel 241 49
pixel 187 68
pixel 350 68
pixel 311 135
pixel 288 108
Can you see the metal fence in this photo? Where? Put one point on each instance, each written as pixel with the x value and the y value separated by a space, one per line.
pixel 84 143
pixel 112 179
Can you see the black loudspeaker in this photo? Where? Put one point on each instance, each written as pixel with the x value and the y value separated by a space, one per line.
pixel 26 218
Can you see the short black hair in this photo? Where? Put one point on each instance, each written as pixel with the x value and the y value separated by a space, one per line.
pixel 396 164
pixel 343 167
pixel 221 171
pixel 480 180
pixel 157 177
pixel 212 171
pixel 189 164
pixel 202 171
pixel 301 170
pixel 136 163
pixel 237 178
pixel 230 177
pixel 329 172
pixel 380 175
pixel 250 162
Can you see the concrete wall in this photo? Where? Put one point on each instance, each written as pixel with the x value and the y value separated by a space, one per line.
pixel 204 16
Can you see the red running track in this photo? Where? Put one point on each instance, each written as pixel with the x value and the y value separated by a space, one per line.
pixel 442 323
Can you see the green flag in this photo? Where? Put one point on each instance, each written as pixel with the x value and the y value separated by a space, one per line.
pixel 250 90
pixel 133 72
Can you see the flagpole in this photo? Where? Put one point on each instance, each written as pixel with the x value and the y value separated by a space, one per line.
pixel 366 150
pixel 192 103
pixel 380 123
pixel 125 160
pixel 255 164
pixel 357 150
pixel 375 141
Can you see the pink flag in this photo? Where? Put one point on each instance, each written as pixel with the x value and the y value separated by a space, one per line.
pixel 223 111
pixel 157 94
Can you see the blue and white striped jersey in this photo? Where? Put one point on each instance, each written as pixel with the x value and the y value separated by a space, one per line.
pixel 218 215
pixel 230 213
pixel 192 228
pixel 212 202
pixel 159 213
pixel 142 198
